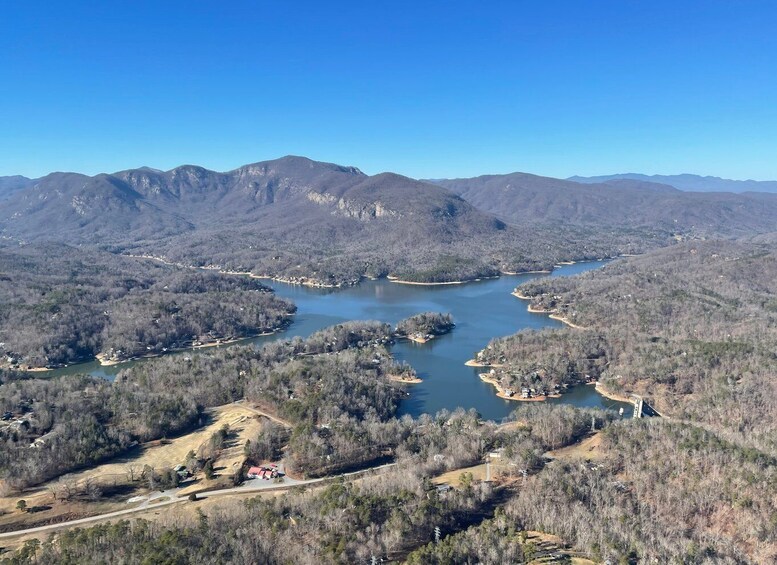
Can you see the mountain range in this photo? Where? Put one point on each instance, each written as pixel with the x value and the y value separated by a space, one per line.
pixel 291 217
pixel 12 184
pixel 322 223
pixel 521 198
pixel 690 183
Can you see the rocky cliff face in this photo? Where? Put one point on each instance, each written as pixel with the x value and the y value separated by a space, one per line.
pixel 351 208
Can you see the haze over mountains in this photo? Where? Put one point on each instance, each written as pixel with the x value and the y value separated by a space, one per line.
pixel 330 224
pixel 690 183
pixel 12 184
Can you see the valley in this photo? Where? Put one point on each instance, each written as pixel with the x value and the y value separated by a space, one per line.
pixel 388 351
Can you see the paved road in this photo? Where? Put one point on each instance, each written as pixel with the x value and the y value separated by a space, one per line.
pixel 172 498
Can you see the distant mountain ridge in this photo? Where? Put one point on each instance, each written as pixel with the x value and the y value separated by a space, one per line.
pixel 12 184
pixel 307 221
pixel 619 204
pixel 291 217
pixel 688 182
pixel 189 197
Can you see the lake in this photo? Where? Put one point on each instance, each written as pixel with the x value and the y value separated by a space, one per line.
pixel 482 310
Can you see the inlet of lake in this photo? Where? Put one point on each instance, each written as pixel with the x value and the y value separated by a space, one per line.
pixel 482 310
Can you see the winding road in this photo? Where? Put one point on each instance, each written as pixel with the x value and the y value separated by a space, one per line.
pixel 250 487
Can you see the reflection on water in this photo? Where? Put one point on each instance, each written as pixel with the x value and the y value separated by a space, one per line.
pixel 482 310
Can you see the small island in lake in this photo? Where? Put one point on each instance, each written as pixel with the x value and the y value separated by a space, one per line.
pixel 425 327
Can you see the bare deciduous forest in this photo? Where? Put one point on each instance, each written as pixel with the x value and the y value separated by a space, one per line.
pixel 688 326
pixel 60 304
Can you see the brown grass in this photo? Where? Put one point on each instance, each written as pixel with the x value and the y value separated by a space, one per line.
pixel 453 477
pixel 589 448
pixel 242 420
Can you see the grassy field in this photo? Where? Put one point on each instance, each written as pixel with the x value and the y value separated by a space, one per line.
pixel 589 448
pixel 114 476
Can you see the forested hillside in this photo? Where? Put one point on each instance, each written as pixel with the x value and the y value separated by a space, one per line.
pixel 646 210
pixel 60 304
pixel 385 516
pixel 692 327
pixel 12 184
pixel 307 221
pixel 82 420
pixel 301 220
pixel 697 346
pixel 689 326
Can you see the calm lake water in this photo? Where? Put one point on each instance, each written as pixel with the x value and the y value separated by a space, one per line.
pixel 482 310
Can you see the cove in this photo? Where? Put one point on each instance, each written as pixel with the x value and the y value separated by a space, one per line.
pixel 482 310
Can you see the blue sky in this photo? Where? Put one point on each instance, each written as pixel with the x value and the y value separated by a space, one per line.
pixel 427 89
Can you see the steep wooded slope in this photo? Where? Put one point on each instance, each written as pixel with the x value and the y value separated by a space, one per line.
pixel 292 218
pixel 521 198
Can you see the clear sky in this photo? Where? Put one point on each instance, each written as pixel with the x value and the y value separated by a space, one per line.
pixel 427 89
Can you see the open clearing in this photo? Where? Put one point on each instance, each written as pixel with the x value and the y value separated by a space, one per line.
pixel 453 478
pixel 589 448
pixel 244 423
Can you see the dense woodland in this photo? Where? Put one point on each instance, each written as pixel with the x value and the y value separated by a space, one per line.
pixel 71 422
pixel 301 220
pixel 547 361
pixel 334 386
pixel 667 491
pixel 60 304
pixel 385 516
pixel 712 504
pixel 643 208
pixel 691 327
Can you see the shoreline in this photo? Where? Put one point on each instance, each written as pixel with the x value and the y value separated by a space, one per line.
pixel 49 369
pixel 563 320
pixel 399 379
pixel 419 339
pixel 397 280
pixel 110 362
pixel 422 339
pixel 518 273
pixel 521 296
pixel 473 363
pixel 552 314
pixel 500 392
pixel 392 278
pixel 611 395
pixel 306 282
pixel 221 271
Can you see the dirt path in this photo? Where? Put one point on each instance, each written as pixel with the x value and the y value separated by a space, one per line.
pixel 260 412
